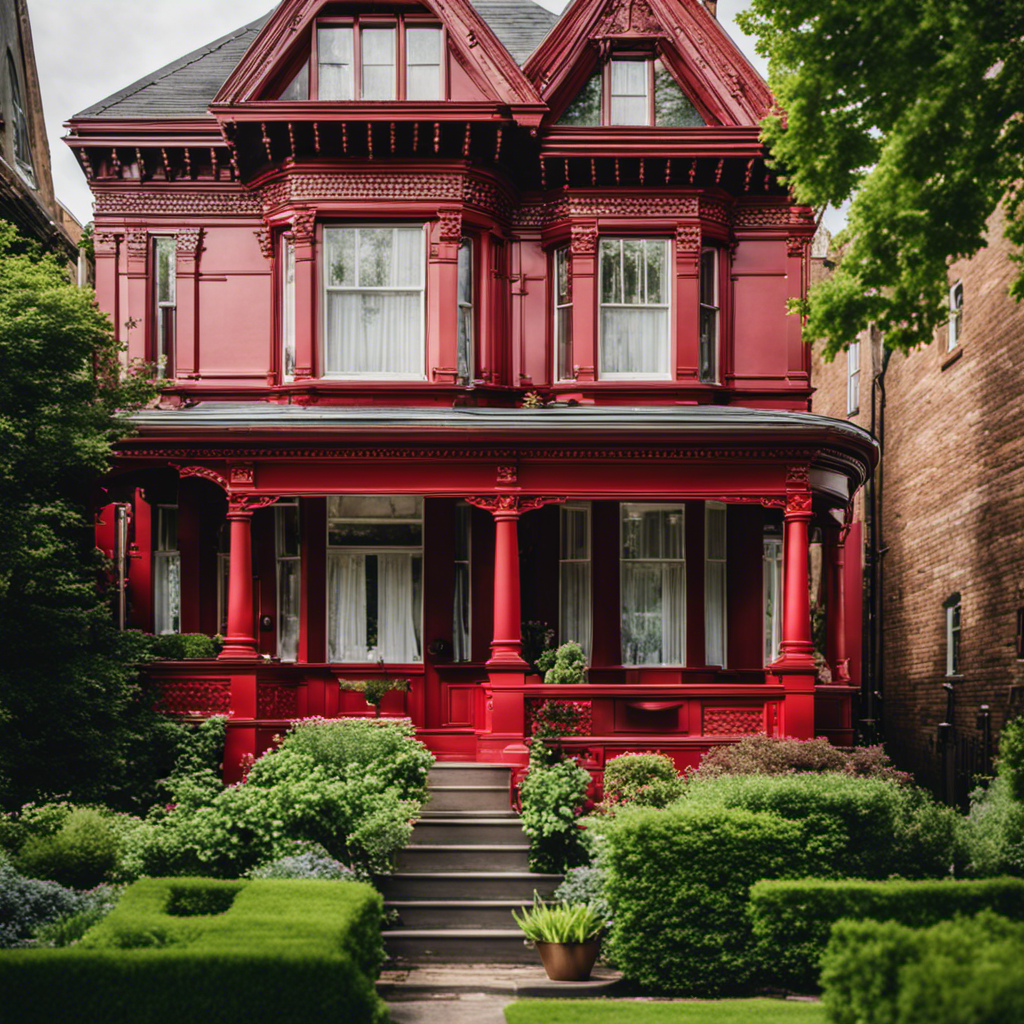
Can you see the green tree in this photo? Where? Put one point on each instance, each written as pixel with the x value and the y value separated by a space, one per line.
pixel 69 707
pixel 913 107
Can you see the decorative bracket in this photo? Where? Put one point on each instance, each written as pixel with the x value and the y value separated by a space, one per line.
pixel 512 505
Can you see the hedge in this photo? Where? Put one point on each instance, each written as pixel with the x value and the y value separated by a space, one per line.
pixel 230 952
pixel 792 920
pixel 964 971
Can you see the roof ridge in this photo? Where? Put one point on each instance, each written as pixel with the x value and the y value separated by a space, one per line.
pixel 172 68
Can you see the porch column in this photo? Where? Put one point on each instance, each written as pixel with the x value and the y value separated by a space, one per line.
pixel 836 605
pixel 795 665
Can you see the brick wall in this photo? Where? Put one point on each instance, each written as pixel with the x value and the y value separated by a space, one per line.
pixel 953 513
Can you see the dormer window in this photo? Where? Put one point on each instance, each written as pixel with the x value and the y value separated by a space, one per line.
pixel 369 58
pixel 632 90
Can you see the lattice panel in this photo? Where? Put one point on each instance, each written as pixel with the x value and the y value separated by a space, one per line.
pixel 196 697
pixel 733 721
pixel 277 702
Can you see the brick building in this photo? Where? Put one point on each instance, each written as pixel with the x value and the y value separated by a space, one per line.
pixel 946 625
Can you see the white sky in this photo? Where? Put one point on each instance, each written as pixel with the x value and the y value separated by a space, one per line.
pixel 88 50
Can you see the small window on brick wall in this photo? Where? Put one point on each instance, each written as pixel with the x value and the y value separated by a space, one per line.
pixel 952 611
pixel 1020 632
pixel 956 312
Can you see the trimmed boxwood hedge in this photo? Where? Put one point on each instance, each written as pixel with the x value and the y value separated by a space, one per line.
pixel 290 951
pixel 793 920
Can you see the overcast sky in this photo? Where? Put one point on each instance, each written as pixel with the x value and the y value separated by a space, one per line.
pixel 86 51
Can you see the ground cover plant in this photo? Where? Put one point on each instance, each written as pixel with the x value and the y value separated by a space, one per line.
pixel 698 1011
pixel 792 920
pixel 203 949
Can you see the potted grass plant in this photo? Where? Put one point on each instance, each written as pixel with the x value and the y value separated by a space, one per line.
pixel 567 936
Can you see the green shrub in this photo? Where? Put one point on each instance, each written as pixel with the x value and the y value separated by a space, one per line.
pixel 995 822
pixel 569 666
pixel 27 903
pixel 1010 763
pixel 768 755
pixel 309 861
pixel 586 884
pixel 792 920
pixel 183 646
pixel 288 951
pixel 964 971
pixel 650 780
pixel 80 854
pixel 854 827
pixel 553 798
pixel 350 785
pixel 94 905
pixel 678 880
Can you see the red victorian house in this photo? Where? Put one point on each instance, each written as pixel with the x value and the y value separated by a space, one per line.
pixel 365 240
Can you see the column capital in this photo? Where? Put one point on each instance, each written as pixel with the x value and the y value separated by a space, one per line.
pixel 242 506
pixel 511 506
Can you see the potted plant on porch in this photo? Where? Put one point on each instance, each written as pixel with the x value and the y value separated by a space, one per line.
pixel 567 936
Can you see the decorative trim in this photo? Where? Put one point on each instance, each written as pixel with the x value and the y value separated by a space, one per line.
pixel 137 243
pixel 630 18
pixel 276 701
pixel 178 200
pixel 246 504
pixel 449 226
pixel 507 476
pixel 511 505
pixel 204 473
pixel 265 238
pixel 584 240
pixel 242 474
pixel 196 697
pixel 563 207
pixel 304 226
pixel 732 721
pixel 688 239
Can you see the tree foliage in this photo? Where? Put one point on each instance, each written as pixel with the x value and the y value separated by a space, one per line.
pixel 67 688
pixel 913 108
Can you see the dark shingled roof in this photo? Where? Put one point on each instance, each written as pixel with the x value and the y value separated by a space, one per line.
pixel 186 87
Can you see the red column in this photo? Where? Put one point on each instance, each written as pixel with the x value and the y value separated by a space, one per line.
pixel 795 666
pixel 506 649
pixel 240 641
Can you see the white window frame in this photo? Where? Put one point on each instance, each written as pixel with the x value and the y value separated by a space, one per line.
pixel 711 507
pixel 279 559
pixel 853 378
pixel 654 506
pixel 561 258
pixel 286 248
pixel 163 560
pixel 666 342
pixel 464 515
pixel 710 254
pixel 389 549
pixel 587 612
pixel 954 628
pixel 771 591
pixel 956 313
pixel 165 319
pixel 325 290
pixel 648 77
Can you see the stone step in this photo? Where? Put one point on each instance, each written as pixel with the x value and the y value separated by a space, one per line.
pixel 467 799
pixel 463 831
pixel 459 946
pixel 467 885
pixel 455 857
pixel 468 773
pixel 454 914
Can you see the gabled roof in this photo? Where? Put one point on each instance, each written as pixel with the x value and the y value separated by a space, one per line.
pixel 185 88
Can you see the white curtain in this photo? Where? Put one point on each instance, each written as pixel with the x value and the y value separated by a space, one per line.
pixel 460 614
pixel 633 340
pixel 396 629
pixel 288 573
pixel 167 593
pixel 714 585
pixel 374 332
pixel 673 614
pixel 653 613
pixel 575 610
pixel 346 607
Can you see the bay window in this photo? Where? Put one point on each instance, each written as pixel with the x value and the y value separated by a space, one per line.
pixel 373 58
pixel 714 583
pixel 574 619
pixel 374 284
pixel 563 314
pixel 288 552
pixel 634 314
pixel 374 578
pixel 165 263
pixel 166 571
pixel 653 584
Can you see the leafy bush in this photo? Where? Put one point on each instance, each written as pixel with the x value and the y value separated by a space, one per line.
pixel 351 785
pixel 995 823
pixel 178 646
pixel 650 780
pixel 375 689
pixel 964 971
pixel 94 905
pixel 312 862
pixel 678 880
pixel 586 884
pixel 854 827
pixel 792 920
pixel 1010 763
pixel 767 755
pixel 27 903
pixel 569 666
pixel 553 798
pixel 288 951
pixel 80 854
pixel 557 718
pixel 560 922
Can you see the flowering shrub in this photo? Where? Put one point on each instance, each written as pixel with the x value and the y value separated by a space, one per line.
pixel 555 719
pixel 650 780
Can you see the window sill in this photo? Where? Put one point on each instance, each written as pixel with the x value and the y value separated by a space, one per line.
pixel 953 356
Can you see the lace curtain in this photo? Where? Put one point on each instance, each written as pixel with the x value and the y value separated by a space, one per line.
pixel 346 608
pixel 714 585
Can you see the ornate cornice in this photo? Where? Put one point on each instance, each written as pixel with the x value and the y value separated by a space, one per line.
pixel 178 201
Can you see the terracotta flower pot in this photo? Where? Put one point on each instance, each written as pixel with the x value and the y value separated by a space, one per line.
pixel 568 961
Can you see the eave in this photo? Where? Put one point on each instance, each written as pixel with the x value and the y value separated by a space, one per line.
pixel 527 114
pixel 157 132
pixel 623 140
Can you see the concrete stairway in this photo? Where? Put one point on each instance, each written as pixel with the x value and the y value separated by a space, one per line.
pixel 463 871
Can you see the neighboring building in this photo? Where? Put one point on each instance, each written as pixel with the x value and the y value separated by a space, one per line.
pixel 361 245
pixel 950 605
pixel 26 186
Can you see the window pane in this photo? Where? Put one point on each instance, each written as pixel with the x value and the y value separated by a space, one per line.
pixel 335 82
pixel 672 107
pixel 340 246
pixel 374 506
pixel 288 578
pixel 166 265
pixel 629 77
pixel 409 257
pixel 611 270
pixel 653 613
pixel 334 44
pixel 633 340
pixel 167 594
pixel 287 530
pixel 656 254
pixel 356 534
pixel 378 45
pixel 378 58
pixel 423 82
pixel 462 528
pixel 714 614
pixel 562 276
pixel 629 110
pixel 585 109
pixel 336 67
pixel 298 87
pixel 633 271
pixel 708 278
pixel 167 529
pixel 423 63
pixel 374 332
pixel 288 309
pixel 375 257
pixel 465 284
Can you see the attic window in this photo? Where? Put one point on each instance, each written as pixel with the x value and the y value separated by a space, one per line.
pixel 369 58
pixel 632 91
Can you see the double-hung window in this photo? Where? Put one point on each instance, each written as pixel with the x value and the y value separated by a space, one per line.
pixel 715 611
pixel 466 318
pixel 166 572
pixel 853 378
pixel 709 314
pixel 288 551
pixel 372 58
pixel 563 314
pixel 374 578
pixel 574 575
pixel 165 264
pixel 374 289
pixel 952 610
pixel 22 140
pixel 653 584
pixel 956 312
pixel 634 295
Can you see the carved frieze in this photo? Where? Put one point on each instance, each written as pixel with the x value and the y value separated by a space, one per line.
pixel 245 504
pixel 449 226
pixel 630 17
pixel 276 701
pixel 688 237
pixel 266 242
pixel 204 473
pixel 196 697
pixel 732 721
pixel 304 226
pixel 180 201
pixel 584 240
pixel 137 243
